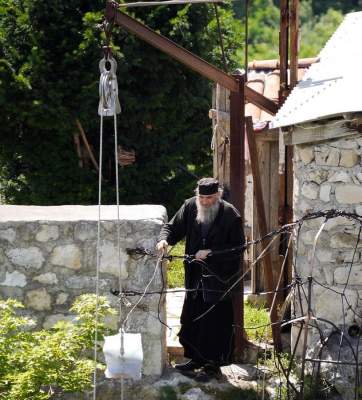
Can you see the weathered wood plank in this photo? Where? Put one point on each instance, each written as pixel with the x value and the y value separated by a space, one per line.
pixel 262 224
pixel 309 134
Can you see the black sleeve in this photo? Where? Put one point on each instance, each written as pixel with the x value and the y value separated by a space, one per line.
pixel 175 230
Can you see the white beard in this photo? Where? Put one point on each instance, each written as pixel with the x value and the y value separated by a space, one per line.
pixel 206 215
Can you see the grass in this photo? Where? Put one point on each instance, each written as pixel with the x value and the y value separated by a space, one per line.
pixel 253 315
pixel 257 316
pixel 175 273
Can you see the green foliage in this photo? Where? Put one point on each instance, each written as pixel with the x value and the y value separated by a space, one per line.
pixel 175 269
pixel 257 317
pixel 49 77
pixel 167 393
pixel 235 393
pixel 35 364
pixel 317 30
pixel 49 54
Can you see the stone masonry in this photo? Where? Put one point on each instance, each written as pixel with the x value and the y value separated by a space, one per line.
pixel 328 175
pixel 48 258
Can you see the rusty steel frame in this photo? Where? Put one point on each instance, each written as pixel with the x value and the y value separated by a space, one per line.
pixel 190 60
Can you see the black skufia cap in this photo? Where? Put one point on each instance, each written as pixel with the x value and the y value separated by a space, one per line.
pixel 208 186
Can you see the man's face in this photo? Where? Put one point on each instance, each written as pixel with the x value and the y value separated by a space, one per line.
pixel 208 200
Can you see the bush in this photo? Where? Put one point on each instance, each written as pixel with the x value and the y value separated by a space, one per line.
pixel 37 364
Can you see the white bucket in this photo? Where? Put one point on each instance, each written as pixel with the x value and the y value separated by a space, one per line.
pixel 130 366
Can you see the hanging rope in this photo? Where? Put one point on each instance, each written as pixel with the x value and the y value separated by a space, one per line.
pixel 108 106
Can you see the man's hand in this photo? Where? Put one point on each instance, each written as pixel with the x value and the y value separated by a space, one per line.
pixel 161 246
pixel 202 254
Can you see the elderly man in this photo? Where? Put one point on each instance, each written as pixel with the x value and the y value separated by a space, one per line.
pixel 209 225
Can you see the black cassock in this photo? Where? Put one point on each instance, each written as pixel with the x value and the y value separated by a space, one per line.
pixel 211 337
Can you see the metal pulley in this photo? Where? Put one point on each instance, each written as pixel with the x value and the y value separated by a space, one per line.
pixel 108 88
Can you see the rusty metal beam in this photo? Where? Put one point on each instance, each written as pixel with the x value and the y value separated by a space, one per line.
pixel 283 49
pixel 263 229
pixel 237 190
pixel 294 42
pixel 184 56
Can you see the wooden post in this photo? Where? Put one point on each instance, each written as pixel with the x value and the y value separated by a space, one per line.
pixel 263 229
pixel 237 191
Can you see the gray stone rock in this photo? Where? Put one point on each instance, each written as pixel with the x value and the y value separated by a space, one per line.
pixel 325 192
pixel 351 274
pixel 68 256
pixel 87 282
pixel 30 257
pixel 349 158
pixel 48 278
pixel 344 240
pixel 306 153
pixel 318 176
pixel 51 320
pixel 349 194
pixel 340 176
pixel 15 278
pixel 310 190
pixel 109 262
pixel 47 232
pixel 61 298
pixel 8 235
pixel 195 394
pixel 324 255
pixel 38 299
pixel 85 231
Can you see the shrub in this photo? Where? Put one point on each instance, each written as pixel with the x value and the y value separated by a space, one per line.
pixel 37 364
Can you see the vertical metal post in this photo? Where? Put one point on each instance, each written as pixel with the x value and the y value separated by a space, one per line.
pixel 283 49
pixel 294 42
pixel 237 190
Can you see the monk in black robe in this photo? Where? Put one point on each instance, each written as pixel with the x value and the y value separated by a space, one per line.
pixel 209 224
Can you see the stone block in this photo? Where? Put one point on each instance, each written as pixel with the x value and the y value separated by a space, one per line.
pixel 339 176
pixel 306 154
pixel 15 278
pixel 359 210
pixel 8 235
pixel 51 320
pixel 48 278
pixel 68 256
pixel 344 240
pixel 324 194
pixel 349 158
pixel 153 356
pixel 85 231
pixel 38 299
pixel 46 233
pixel 327 156
pixel 324 255
pixel 348 194
pixel 337 223
pixel 30 257
pixel 348 274
pixel 310 190
pixel 109 262
pixel 61 298
pixel 318 176
pixel 328 305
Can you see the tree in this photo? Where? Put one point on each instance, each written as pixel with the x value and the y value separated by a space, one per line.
pixel 49 78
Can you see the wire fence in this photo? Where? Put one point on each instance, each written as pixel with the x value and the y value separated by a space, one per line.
pixel 324 353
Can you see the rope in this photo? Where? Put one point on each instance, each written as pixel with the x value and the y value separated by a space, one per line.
pixel 98 258
pixel 108 106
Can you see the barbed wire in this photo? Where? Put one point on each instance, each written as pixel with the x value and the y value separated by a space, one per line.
pixel 302 315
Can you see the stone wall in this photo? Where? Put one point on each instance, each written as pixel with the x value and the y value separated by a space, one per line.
pixel 48 257
pixel 328 175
